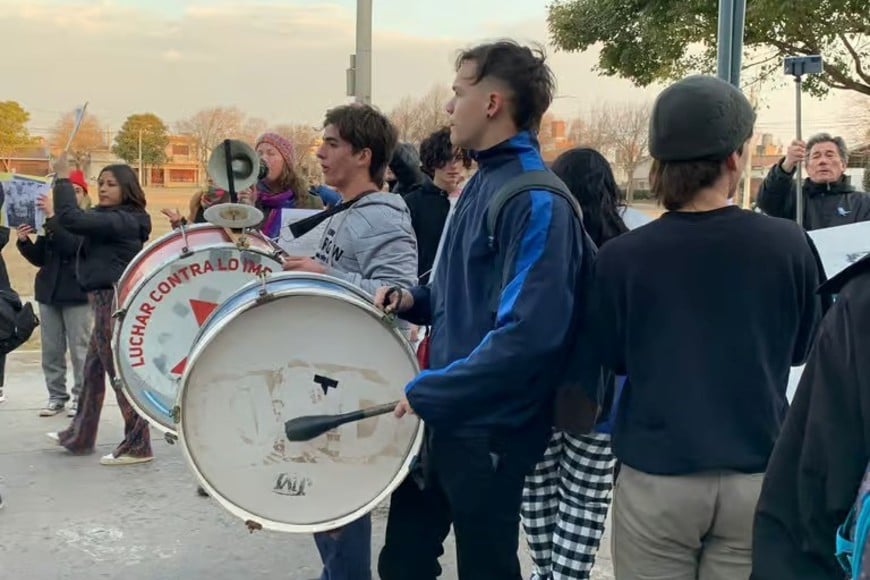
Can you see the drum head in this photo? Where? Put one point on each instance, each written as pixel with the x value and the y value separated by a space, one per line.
pixel 233 215
pixel 312 352
pixel 162 315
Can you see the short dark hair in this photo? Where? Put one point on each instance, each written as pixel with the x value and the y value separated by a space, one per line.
pixel 131 191
pixel 676 183
pixel 436 151
pixel 365 127
pixel 525 72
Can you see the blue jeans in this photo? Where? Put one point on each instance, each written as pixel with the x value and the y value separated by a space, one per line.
pixel 347 554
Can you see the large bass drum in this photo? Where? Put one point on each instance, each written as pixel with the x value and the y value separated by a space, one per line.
pixel 165 295
pixel 291 345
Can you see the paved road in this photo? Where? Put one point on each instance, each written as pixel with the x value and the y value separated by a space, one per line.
pixel 70 518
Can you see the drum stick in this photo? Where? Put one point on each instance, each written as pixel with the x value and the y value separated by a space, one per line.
pixel 308 427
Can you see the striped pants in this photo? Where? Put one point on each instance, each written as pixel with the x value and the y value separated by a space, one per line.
pixel 565 503
pixel 81 435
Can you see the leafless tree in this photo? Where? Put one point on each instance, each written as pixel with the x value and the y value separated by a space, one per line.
pixel 630 133
pixel 620 132
pixel 417 117
pixel 251 129
pixel 90 138
pixel 306 139
pixel 211 126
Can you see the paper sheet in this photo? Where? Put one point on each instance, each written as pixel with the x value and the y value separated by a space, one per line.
pixel 306 245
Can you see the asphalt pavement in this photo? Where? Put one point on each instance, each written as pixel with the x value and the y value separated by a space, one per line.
pixel 68 517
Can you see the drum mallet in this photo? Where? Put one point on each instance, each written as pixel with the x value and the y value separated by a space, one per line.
pixel 308 427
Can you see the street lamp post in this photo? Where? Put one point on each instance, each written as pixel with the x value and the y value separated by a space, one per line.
pixel 359 75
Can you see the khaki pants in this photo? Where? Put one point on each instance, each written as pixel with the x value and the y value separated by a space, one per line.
pixel 688 527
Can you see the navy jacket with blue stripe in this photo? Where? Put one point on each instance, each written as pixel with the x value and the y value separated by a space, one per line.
pixel 492 367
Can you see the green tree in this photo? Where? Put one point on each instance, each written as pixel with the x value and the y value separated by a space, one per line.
pixel 155 138
pixel 647 41
pixel 13 130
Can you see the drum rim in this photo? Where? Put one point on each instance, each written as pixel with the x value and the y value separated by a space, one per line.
pixel 205 338
pixel 133 292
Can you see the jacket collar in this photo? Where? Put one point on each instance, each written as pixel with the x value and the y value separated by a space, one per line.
pixel 523 142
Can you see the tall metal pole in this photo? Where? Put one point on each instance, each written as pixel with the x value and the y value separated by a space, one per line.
pixel 747 180
pixel 363 72
pixel 725 37
pixel 799 186
pixel 141 170
pixel 738 26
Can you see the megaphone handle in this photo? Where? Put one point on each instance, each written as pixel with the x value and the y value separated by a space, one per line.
pixel 228 160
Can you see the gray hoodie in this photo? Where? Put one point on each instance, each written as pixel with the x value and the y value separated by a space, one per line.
pixel 372 244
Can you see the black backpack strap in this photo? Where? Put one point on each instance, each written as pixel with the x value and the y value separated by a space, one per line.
pixel 541 180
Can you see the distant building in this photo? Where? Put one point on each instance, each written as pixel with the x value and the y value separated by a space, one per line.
pixel 33 160
pixel 182 168
pixel 554 140
pixel 99 159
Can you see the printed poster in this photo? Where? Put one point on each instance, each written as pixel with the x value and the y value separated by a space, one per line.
pixel 841 246
pixel 18 194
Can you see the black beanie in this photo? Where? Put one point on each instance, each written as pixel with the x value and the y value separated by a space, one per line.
pixel 699 118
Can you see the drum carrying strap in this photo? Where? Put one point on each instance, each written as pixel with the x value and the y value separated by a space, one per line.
pixel 303 226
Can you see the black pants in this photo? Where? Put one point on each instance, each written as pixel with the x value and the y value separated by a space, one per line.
pixel 475 484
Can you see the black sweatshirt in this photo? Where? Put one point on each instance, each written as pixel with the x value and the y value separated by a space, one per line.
pixel 705 313
pixel 429 206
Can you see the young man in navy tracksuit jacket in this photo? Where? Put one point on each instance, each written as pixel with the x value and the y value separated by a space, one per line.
pixel 487 396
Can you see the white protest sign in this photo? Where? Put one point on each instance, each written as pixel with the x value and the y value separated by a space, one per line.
pixel 841 246
pixel 634 218
pixel 306 245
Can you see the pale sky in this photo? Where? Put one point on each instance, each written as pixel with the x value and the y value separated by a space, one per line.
pixel 285 60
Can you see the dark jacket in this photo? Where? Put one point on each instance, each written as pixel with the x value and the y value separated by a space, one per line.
pixel 491 364
pixel 826 204
pixel 112 236
pixel 405 165
pixel 4 273
pixel 55 255
pixel 819 459
pixel 429 207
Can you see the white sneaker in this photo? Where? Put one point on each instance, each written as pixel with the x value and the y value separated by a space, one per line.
pixel 123 460
pixel 2 396
pixel 54 436
pixel 73 408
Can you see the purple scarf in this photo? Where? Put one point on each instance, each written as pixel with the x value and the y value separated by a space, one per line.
pixel 274 203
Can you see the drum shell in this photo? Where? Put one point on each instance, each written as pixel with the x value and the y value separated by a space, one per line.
pixel 240 454
pixel 163 296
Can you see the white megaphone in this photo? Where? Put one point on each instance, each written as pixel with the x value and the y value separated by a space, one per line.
pixel 235 166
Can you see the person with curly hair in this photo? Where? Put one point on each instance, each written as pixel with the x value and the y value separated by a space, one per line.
pixel 430 203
